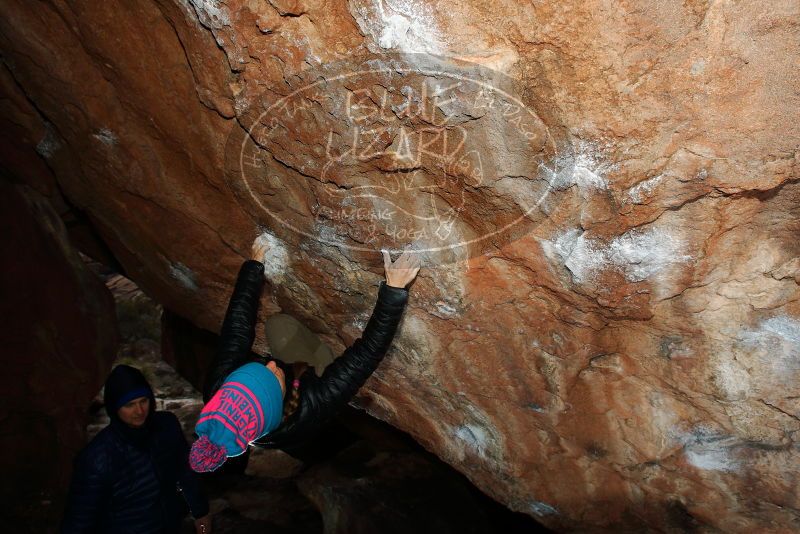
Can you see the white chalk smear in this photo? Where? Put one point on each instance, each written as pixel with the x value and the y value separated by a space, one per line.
pixel 783 327
pixel 731 377
pixel 404 25
pixel 542 509
pixel 105 136
pixel 581 256
pixel 643 253
pixel 444 310
pixel 49 143
pixel 639 253
pixel 778 339
pixel 184 275
pixel 395 31
pixel 210 13
pixel 276 259
pixel 638 193
pixel 477 436
pixel 473 437
pixel 763 359
pixel 710 451
pixel 586 168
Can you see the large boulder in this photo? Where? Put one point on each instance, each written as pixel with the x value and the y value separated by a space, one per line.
pixel 58 336
pixel 605 334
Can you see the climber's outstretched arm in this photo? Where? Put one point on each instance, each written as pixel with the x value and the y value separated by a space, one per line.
pixel 321 398
pixel 238 329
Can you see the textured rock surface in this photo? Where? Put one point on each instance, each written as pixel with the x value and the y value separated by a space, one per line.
pixel 58 337
pixel 626 356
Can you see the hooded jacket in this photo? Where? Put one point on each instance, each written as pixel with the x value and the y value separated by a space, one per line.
pixel 319 397
pixel 130 480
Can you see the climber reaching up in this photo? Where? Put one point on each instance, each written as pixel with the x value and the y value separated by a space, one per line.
pixel 245 397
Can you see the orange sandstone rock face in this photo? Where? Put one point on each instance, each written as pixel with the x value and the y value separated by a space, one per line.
pixel 606 332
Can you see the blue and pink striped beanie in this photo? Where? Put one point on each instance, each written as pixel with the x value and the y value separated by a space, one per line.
pixel 248 405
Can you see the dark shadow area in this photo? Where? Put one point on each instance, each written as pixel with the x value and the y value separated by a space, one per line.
pixel 58 336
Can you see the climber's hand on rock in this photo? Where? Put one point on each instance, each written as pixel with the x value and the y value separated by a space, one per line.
pixel 403 271
pixel 260 247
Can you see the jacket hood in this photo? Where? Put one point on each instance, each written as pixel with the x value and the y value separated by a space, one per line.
pixel 124 384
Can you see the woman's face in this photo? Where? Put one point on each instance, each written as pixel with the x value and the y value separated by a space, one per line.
pixel 135 412
pixel 278 372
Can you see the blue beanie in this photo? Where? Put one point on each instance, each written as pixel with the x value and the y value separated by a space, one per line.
pixel 124 384
pixel 248 405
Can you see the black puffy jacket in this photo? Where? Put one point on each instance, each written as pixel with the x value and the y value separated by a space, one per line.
pixel 320 397
pixel 130 481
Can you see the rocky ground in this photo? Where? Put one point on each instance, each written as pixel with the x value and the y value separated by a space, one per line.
pixel 373 479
